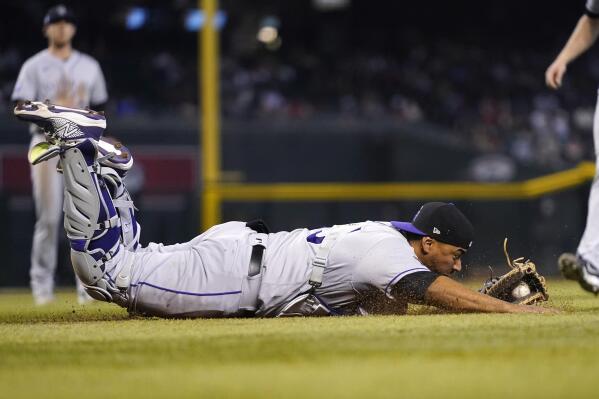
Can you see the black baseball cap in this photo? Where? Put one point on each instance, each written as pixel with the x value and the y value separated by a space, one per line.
pixel 59 12
pixel 442 221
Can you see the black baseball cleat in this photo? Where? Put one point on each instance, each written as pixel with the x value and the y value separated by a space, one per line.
pixel 62 123
pixel 568 266
pixel 574 267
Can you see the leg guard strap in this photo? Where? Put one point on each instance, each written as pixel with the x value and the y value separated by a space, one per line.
pixel 114 221
pixel 130 229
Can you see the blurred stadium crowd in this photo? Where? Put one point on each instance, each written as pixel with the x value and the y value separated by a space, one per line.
pixel 498 105
pixel 342 61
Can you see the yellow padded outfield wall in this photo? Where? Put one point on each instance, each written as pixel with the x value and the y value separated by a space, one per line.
pixel 527 189
pixel 407 191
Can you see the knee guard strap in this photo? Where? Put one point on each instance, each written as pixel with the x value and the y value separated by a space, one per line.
pixel 130 229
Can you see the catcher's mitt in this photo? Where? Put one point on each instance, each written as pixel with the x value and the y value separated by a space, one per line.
pixel 521 285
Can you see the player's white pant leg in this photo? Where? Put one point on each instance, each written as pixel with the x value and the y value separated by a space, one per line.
pixel 588 248
pixel 207 277
pixel 47 197
pixel 160 247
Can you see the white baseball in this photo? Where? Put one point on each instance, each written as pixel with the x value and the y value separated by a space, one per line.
pixel 521 290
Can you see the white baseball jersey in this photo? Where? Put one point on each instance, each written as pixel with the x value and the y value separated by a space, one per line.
pixel 208 276
pixel 44 76
pixel 362 267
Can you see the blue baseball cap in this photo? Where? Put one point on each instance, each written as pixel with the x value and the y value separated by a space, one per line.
pixel 443 222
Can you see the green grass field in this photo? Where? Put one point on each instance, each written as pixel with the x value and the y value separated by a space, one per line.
pixel 69 351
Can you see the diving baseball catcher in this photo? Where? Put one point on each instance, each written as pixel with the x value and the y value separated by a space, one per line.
pixel 242 269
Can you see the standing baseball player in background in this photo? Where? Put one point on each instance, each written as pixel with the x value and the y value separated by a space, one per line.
pixel 70 78
pixel 584 266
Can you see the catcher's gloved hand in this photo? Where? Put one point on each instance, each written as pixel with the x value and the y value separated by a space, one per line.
pixel 521 285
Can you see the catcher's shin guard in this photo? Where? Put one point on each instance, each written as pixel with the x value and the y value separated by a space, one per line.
pixel 91 222
pixel 130 229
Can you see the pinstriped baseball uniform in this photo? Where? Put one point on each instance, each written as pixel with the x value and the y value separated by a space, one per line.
pixel 208 276
pixel 43 76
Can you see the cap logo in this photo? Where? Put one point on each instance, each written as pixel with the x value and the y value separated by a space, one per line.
pixel 436 230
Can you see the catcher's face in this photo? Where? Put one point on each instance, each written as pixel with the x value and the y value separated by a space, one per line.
pixel 440 257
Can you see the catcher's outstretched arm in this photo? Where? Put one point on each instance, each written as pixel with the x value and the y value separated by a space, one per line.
pixel 448 294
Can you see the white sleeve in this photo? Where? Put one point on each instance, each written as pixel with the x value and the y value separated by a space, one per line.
pixel 25 87
pixel 386 264
pixel 592 7
pixel 98 93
